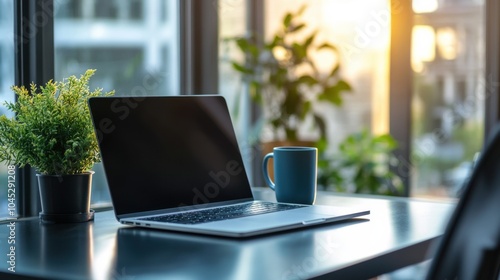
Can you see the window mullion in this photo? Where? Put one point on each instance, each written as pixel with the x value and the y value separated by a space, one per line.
pixel 198 46
pixel 34 63
pixel 401 76
pixel 492 60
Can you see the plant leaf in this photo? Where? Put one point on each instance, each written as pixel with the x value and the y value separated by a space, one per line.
pixel 343 86
pixel 335 70
pixel 307 79
pixel 287 20
pixel 332 95
pixel 327 46
pixel 320 122
pixel 242 69
pixel 306 108
pixel 309 40
pixel 299 52
pixel 297 28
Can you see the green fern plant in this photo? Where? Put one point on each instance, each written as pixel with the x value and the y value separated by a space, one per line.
pixel 52 130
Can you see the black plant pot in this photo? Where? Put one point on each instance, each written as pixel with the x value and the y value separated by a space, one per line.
pixel 65 198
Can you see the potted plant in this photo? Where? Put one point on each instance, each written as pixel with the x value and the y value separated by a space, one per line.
pixel 52 132
pixel 283 77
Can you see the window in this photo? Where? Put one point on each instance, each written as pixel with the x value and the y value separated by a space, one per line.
pixel 232 23
pixel 448 57
pixel 448 60
pixel 132 44
pixel 360 29
pixel 6 54
pixel 6 81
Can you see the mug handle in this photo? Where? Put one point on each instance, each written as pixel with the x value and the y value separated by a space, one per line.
pixel 268 180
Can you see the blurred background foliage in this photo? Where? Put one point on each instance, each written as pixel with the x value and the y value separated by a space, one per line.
pixel 364 164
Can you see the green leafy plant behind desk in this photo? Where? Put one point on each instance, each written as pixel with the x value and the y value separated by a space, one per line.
pixel 364 164
pixel 284 79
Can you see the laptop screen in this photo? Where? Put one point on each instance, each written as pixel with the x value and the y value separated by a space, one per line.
pixel 165 152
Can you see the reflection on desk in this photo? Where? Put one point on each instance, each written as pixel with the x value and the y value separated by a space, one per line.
pixel 397 233
pixel 236 258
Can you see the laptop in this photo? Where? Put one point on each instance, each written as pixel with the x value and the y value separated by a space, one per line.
pixel 173 163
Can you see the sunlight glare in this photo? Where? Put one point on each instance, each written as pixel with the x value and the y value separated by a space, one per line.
pixel 447 43
pixel 423 46
pixel 424 6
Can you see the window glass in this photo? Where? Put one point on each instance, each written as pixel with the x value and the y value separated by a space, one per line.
pixel 131 43
pixel 232 23
pixel 448 93
pixel 6 94
pixel 360 31
pixel 6 54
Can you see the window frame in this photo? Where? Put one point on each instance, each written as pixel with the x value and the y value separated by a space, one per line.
pixel 255 25
pixel 199 47
pixel 492 66
pixel 400 86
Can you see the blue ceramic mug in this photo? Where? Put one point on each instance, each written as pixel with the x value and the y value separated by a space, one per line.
pixel 295 174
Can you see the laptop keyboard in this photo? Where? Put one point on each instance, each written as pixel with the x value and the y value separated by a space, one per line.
pixel 223 213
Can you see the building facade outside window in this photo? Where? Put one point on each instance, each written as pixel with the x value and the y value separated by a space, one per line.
pixel 233 22
pixel 449 93
pixel 132 44
pixel 6 81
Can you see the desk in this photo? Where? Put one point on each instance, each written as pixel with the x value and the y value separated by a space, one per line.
pixel 398 233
